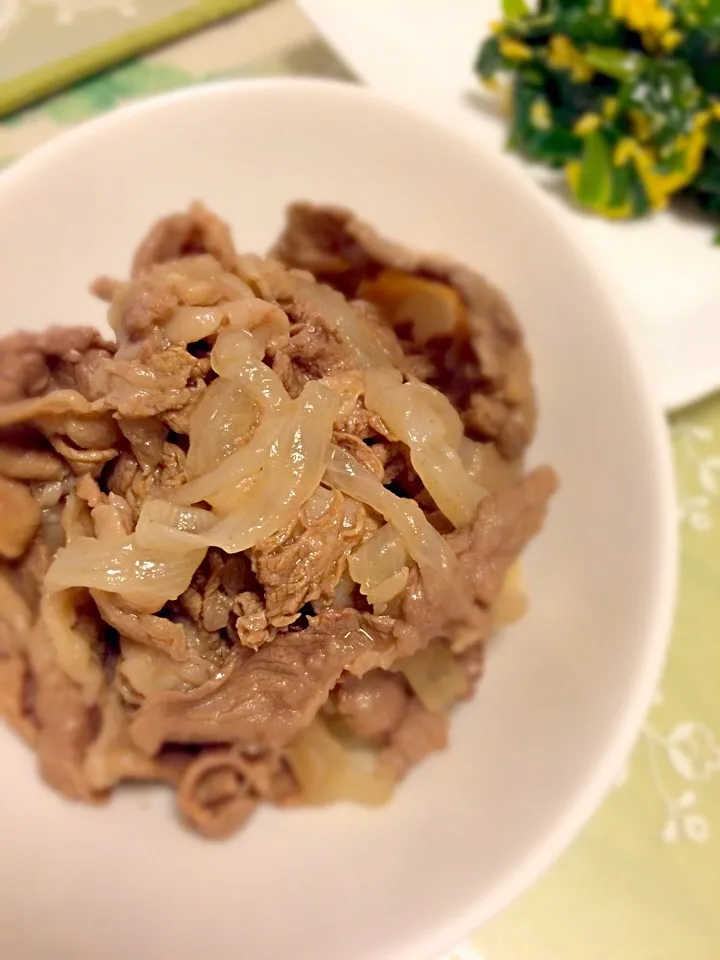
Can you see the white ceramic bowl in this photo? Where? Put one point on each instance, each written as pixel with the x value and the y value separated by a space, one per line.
pixel 565 690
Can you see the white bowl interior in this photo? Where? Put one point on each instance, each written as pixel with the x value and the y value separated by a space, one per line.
pixel 565 689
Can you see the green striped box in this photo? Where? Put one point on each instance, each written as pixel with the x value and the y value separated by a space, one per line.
pixel 48 44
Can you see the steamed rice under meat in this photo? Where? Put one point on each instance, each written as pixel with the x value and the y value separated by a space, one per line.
pixel 255 546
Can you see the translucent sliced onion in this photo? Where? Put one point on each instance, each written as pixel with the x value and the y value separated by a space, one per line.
pixel 437 679
pixel 293 467
pixel 350 385
pixel 485 465
pixel 327 771
pixel 149 670
pixel 379 565
pixel 59 401
pixel 146 578
pixel 454 431
pixel 419 417
pixel 267 324
pixel 318 504
pixel 236 355
pixel 222 419
pixel 389 589
pixel 76 651
pixel 190 324
pixel 235 469
pixel 351 325
pixel 454 491
pixel 164 526
pixel 426 546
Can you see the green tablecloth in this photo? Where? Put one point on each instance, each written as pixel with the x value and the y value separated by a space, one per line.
pixel 642 882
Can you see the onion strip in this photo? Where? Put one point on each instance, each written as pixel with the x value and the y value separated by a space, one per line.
pixel 293 467
pixel 379 565
pixel 429 549
pixel 146 578
pixel 238 356
pixel 423 419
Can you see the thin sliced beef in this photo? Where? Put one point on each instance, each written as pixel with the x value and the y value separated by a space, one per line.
pixel 148 629
pixel 66 724
pixel 29 360
pixel 14 681
pixel 21 515
pixel 374 705
pixel 506 522
pixel 418 734
pixel 184 234
pixel 149 380
pixel 270 695
pixel 487 377
pixel 304 564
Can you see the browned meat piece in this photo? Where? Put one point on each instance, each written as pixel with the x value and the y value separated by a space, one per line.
pixel 272 694
pixel 146 436
pixel 113 758
pixel 303 564
pixel 66 725
pixel 14 679
pixel 129 481
pixel 27 360
pixel 148 381
pixel 21 518
pixel 221 789
pixel 15 617
pixel 137 309
pixel 506 522
pixel 30 571
pixel 251 622
pixel 214 796
pixel 145 628
pixel 206 599
pixel 183 234
pixel 418 734
pixel 29 463
pixel 372 705
pixel 105 288
pixel 314 349
pixel 489 378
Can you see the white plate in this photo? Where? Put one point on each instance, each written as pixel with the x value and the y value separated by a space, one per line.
pixel 664 271
pixel 565 691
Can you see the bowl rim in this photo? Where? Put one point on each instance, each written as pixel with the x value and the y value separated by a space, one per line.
pixel 662 592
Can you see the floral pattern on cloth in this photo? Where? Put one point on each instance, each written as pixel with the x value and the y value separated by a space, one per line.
pixel 642 880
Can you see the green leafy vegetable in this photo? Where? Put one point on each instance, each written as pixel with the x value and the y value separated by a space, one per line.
pixel 624 95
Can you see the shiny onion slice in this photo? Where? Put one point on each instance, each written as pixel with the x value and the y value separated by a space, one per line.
pixel 146 578
pixel 238 356
pixel 292 468
pixel 76 650
pixel 431 552
pixel 436 677
pixel 236 469
pixel 429 428
pixel 379 565
pixel 224 416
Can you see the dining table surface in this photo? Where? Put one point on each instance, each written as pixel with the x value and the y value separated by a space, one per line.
pixel 642 880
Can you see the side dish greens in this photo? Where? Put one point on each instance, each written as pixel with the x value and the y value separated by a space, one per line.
pixel 624 95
